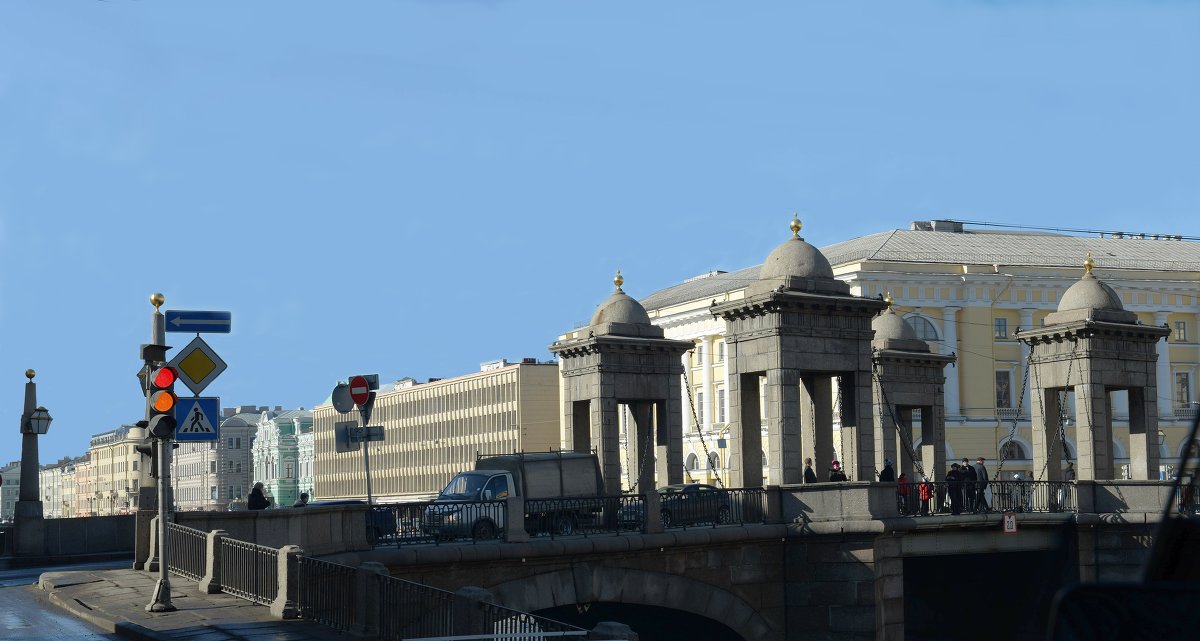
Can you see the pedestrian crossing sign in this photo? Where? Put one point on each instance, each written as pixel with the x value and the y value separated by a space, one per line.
pixel 198 418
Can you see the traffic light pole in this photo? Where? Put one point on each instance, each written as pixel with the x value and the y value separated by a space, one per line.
pixel 161 601
pixel 365 414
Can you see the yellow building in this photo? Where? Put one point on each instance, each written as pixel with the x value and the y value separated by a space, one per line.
pixel 113 474
pixel 435 430
pixel 966 292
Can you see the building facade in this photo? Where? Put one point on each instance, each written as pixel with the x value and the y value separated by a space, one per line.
pixel 435 430
pixel 209 475
pixel 276 454
pixel 966 292
pixel 115 472
pixel 10 490
pixel 57 485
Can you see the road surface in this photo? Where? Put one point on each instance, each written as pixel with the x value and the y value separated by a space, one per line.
pixel 26 615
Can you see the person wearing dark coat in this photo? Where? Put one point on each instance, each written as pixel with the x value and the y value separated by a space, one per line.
pixel 888 475
pixel 809 475
pixel 835 473
pixel 257 499
pixel 969 480
pixel 954 483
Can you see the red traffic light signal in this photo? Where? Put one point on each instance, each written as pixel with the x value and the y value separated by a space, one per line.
pixel 162 400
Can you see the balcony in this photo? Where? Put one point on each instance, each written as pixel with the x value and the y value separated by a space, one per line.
pixel 1185 410
pixel 1007 414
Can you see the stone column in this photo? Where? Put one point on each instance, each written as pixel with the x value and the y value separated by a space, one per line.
pixel 950 344
pixel 1164 371
pixel 1093 432
pixel 1025 321
pixel 669 432
pixel 861 451
pixel 29 526
pixel 641 446
pixel 886 430
pixel 211 582
pixel 816 423
pixel 1143 436
pixel 933 441
pixel 783 427
pixel 606 438
pixel 1046 447
pixel 745 432
pixel 284 605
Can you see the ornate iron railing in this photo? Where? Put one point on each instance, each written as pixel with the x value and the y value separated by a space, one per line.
pixel 512 624
pixel 583 515
pixel 187 549
pixel 249 571
pixel 998 496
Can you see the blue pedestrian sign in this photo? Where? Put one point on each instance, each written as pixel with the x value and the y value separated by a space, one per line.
pixel 198 418
pixel 192 322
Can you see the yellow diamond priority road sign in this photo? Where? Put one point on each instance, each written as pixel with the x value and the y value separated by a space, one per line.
pixel 198 365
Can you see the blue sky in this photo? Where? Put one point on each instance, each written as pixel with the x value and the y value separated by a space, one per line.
pixel 411 188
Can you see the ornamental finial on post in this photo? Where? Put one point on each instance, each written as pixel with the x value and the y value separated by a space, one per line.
pixel 29 373
pixel 889 300
pixel 1088 264
pixel 157 299
pixel 618 280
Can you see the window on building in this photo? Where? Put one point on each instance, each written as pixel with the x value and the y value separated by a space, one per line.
pixel 700 407
pixel 1013 450
pixel 692 461
pixel 720 405
pixel 229 442
pixel 924 329
pixel 287 470
pixel 1000 328
pixel 1183 389
pixel 721 352
pixel 1180 331
pixel 212 467
pixel 1003 389
pixel 212 492
pixel 714 461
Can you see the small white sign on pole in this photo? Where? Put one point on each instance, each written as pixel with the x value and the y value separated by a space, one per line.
pixel 1010 522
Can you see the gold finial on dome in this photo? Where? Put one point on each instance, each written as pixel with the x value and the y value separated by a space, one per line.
pixel 618 280
pixel 889 300
pixel 29 373
pixel 796 225
pixel 1088 264
pixel 157 299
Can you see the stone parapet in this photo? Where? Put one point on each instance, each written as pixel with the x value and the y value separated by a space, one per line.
pixel 319 530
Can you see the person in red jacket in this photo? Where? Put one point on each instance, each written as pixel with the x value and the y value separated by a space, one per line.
pixel 925 489
pixel 902 489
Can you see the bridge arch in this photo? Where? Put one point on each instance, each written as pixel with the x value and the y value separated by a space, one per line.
pixel 585 583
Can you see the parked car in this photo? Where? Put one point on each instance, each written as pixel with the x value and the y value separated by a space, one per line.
pixel 381 520
pixel 683 504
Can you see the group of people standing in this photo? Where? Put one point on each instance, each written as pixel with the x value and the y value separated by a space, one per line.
pixel 965 485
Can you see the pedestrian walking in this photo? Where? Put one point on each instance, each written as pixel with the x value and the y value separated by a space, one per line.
pixel 809 475
pixel 954 483
pixel 968 486
pixel 925 489
pixel 902 492
pixel 888 475
pixel 835 472
pixel 981 484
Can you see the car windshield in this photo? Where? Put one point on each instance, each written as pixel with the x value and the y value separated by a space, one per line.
pixel 463 486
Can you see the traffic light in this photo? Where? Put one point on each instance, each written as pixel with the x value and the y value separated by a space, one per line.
pixel 161 400
pixel 150 452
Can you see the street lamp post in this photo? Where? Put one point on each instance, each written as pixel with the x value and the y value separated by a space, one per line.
pixel 28 516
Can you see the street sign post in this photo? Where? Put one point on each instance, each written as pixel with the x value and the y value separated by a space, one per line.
pixel 360 390
pixel 367 434
pixel 197 365
pixel 197 322
pixel 198 419
pixel 343 437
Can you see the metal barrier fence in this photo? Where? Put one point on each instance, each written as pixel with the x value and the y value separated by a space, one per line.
pixel 249 571
pixel 999 496
pixel 411 610
pixel 512 624
pixel 325 592
pixel 187 549
pixel 584 515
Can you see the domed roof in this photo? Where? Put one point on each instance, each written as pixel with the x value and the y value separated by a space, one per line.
pixel 893 332
pixel 796 259
pixel 620 308
pixel 890 325
pixel 1090 293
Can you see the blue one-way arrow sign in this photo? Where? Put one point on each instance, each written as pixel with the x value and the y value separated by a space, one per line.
pixel 179 320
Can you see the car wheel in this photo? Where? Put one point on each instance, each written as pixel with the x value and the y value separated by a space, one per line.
pixel 666 518
pixel 484 531
pixel 723 514
pixel 564 525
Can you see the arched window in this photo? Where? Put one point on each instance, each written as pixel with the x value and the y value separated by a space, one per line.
pixel 924 329
pixel 692 462
pixel 1013 450
pixel 714 460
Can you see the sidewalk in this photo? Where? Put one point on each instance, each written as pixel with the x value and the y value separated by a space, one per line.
pixel 115 601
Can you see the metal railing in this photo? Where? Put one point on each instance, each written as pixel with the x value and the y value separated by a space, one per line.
pixel 411 610
pixel 325 592
pixel 512 624
pixel 583 515
pixel 187 549
pixel 249 571
pixel 999 496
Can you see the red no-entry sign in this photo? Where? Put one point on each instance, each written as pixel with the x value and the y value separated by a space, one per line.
pixel 360 391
